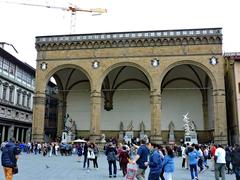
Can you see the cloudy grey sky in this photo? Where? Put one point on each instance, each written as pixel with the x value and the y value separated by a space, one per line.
pixel 20 24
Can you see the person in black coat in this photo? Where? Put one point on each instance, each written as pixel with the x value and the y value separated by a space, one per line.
pixel 85 152
pixel 235 157
pixel 9 158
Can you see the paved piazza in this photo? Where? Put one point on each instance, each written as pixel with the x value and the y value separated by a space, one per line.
pixel 67 168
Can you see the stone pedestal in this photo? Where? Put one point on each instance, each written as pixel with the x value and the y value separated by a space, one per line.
pixel 157 139
pixel 128 136
pixel 95 138
pixel 191 137
pixel 121 134
pixel 171 139
pixel 141 135
pixel 64 137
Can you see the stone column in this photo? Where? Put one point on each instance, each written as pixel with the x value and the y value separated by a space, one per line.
pixel 38 117
pixel 17 134
pixel 10 132
pixel 28 135
pixel 156 135
pixel 95 115
pixel 22 136
pixel 60 117
pixel 220 124
pixel 205 114
pixel 3 133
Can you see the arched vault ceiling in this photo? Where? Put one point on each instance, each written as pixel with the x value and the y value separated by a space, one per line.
pixel 188 72
pixel 70 77
pixel 123 76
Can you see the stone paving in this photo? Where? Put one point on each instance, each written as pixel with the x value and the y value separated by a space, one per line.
pixel 37 167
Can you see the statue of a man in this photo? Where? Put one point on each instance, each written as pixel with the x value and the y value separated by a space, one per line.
pixel 121 126
pixel 68 123
pixel 171 128
pixel 142 127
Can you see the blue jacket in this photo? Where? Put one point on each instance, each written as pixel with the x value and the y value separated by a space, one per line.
pixel 192 157
pixel 155 163
pixel 168 164
pixel 9 153
pixel 143 152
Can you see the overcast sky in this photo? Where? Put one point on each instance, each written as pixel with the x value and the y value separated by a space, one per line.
pixel 20 24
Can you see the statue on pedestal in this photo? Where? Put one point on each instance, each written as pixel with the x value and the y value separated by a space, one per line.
pixel 130 126
pixel 142 129
pixel 171 133
pixel 103 138
pixel 69 129
pixel 121 131
pixel 190 135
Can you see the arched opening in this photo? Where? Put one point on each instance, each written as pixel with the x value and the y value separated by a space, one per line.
pixel 185 89
pixel 67 95
pixel 126 101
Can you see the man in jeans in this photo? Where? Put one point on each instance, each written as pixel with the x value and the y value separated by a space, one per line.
pixel 140 159
pixel 9 158
pixel 220 162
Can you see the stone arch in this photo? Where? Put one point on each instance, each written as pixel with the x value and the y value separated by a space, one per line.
pixel 191 62
pixel 64 66
pixel 139 67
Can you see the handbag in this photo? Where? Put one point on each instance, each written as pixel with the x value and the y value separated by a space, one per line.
pixel 131 171
pixel 15 170
pixel 91 155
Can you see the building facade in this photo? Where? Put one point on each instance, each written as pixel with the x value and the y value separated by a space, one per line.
pixel 16 94
pixel 232 77
pixel 109 82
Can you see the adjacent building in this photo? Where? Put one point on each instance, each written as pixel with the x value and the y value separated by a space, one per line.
pixel 16 93
pixel 232 77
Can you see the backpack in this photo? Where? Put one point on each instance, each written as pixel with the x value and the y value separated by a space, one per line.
pixel 111 156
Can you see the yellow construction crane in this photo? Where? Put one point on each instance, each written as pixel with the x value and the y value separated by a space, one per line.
pixel 72 8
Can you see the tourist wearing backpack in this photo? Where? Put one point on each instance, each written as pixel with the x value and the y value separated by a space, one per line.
pixel 235 156
pixel 111 153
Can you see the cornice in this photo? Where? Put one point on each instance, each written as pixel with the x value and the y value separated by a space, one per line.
pixel 130 39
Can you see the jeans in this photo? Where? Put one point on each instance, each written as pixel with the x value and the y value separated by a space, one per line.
pixel 219 171
pixel 95 163
pixel 167 175
pixel 193 167
pixel 153 176
pixel 140 174
pixel 8 173
pixel 114 164
pixel 237 172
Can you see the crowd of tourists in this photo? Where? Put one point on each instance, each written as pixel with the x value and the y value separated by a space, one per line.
pixel 135 158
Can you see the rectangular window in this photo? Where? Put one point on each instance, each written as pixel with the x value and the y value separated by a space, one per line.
pixel 12 68
pixel 5 65
pixel 19 73
pixel 4 92
pixel 11 95
pixel 28 101
pixel 23 99
pixel 18 97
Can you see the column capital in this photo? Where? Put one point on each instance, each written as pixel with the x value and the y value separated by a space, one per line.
pixel 95 93
pixel 218 92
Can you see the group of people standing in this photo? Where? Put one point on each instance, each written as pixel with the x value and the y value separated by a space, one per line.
pixel 159 160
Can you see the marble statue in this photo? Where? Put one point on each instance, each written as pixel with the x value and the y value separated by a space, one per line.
pixel 190 135
pixel 171 132
pixel 142 127
pixel 103 138
pixel 121 126
pixel 68 123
